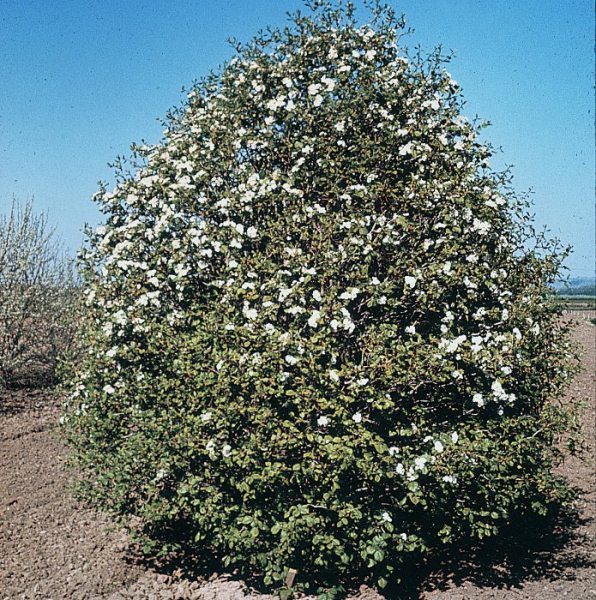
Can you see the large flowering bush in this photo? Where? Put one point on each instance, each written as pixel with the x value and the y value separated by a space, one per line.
pixel 320 333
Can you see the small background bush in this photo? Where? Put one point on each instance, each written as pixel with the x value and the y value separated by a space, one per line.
pixel 38 299
pixel 321 334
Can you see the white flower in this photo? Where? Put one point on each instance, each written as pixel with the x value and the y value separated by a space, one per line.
pixel 405 149
pixel 323 421
pixel 478 399
pixel 347 322
pixel 249 313
pixel 108 389
pixel 411 329
pixel 454 437
pixel 276 103
pixel 399 469
pixel 206 416
pixel 334 375
pixel 283 294
pixel 350 294
pixel 452 345
pixel 313 89
pixel 291 360
pixel 477 341
pixel 329 83
pixel 438 446
pixel 251 232
pixel 403 536
pixel 363 381
pixel 386 517
pixel 393 451
pixel 120 317
pixel 317 295
pixel 314 318
pixel 479 313
pixel 357 417
pixel 410 281
pixel 420 463
pixel 318 100
pixel 219 365
pixel 226 450
pixel 482 227
pixel 375 281
pixel 449 479
pixel 498 391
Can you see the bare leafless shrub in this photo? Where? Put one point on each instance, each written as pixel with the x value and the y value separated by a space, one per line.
pixel 39 298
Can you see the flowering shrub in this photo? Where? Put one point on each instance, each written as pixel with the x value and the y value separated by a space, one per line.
pixel 321 333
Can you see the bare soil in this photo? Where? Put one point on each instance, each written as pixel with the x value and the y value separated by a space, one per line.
pixel 53 547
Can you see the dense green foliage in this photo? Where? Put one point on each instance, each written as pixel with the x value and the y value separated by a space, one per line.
pixel 320 332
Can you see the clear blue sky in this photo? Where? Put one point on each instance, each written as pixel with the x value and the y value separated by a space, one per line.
pixel 81 80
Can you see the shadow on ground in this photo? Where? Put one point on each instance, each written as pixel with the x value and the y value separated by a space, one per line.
pixel 529 549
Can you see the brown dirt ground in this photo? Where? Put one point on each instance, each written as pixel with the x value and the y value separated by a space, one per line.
pixel 52 547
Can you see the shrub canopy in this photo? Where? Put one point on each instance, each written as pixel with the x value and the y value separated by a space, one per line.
pixel 320 333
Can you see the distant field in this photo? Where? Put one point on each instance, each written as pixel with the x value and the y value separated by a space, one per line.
pixel 578 302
